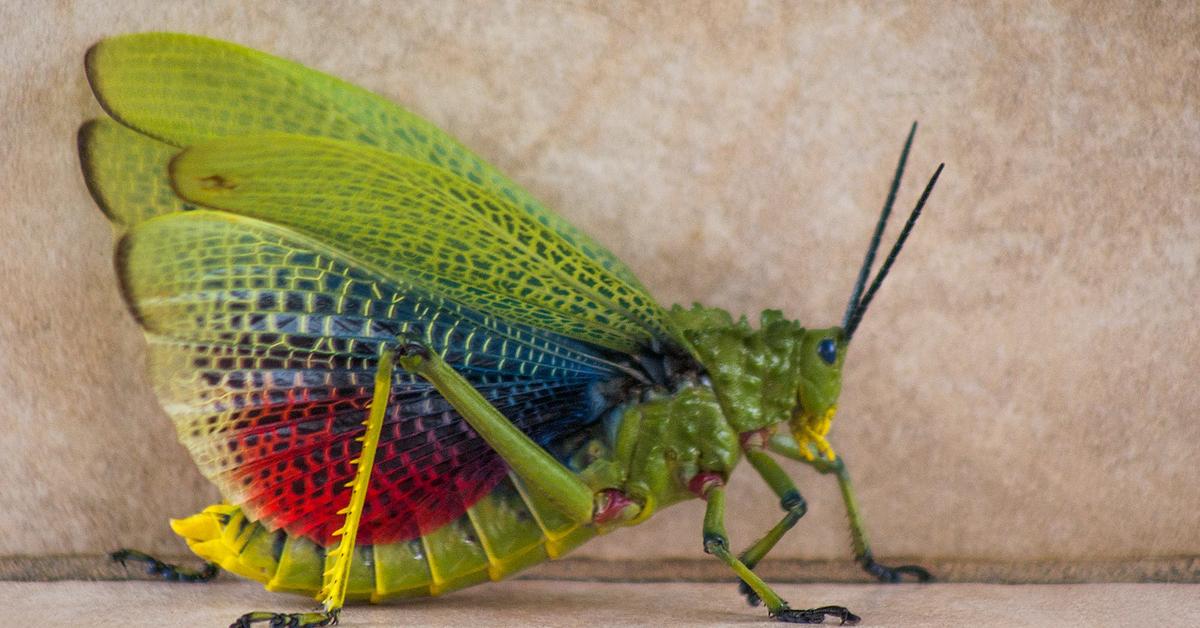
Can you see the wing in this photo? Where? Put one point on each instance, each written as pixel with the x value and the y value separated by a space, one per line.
pixel 263 348
pixel 338 221
pixel 184 89
pixel 126 172
pixel 407 219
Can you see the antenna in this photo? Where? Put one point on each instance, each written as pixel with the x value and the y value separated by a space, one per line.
pixel 869 260
pixel 857 306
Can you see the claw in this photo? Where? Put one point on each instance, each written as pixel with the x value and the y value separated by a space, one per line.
pixel 287 620
pixel 883 573
pixel 816 615
pixel 166 571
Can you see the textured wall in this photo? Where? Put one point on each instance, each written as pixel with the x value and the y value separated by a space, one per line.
pixel 1024 387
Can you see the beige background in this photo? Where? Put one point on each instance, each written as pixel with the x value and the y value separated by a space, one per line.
pixel 1023 389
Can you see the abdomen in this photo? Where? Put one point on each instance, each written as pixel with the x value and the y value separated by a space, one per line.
pixel 504 532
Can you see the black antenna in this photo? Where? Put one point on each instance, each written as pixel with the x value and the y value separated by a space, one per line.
pixel 869 260
pixel 887 263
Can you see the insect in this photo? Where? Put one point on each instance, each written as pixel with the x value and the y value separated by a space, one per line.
pixel 404 374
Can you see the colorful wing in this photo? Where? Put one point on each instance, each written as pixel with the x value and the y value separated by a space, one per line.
pixel 184 89
pixel 263 345
pixel 355 223
pixel 407 219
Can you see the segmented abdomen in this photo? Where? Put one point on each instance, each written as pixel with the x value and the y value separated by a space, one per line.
pixel 504 532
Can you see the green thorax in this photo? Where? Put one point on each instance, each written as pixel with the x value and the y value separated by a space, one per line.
pixel 655 447
pixel 770 375
pixel 652 448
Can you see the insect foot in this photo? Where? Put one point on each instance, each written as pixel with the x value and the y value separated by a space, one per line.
pixel 287 620
pixel 891 575
pixel 816 615
pixel 166 571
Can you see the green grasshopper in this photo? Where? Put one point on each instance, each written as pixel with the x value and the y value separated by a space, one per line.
pixel 405 375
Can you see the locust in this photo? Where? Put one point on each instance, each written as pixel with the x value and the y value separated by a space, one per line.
pixel 403 373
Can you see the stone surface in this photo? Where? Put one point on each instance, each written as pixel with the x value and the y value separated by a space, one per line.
pixel 1023 388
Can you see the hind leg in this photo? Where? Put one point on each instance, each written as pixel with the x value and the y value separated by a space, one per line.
pixel 333 593
pixel 166 571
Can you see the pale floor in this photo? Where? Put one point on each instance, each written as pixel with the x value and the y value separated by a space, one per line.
pixel 559 603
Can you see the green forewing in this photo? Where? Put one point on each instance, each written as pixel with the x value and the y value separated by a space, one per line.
pixel 352 170
pixel 185 89
pixel 126 172
pixel 413 221
pixel 281 226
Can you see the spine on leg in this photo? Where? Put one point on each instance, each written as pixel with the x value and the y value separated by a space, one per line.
pixel 340 558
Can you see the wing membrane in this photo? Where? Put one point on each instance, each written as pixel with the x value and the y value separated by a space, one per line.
pixel 342 220
pixel 413 220
pixel 263 348
pixel 126 172
pixel 184 89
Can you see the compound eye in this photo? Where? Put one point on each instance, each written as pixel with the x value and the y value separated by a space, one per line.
pixel 827 351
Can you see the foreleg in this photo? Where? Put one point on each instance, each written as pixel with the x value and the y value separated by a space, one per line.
pixel 785 446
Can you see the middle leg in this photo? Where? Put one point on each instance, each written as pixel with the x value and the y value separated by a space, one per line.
pixel 716 542
pixel 790 500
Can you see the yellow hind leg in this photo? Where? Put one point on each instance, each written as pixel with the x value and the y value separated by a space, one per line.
pixel 336 577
